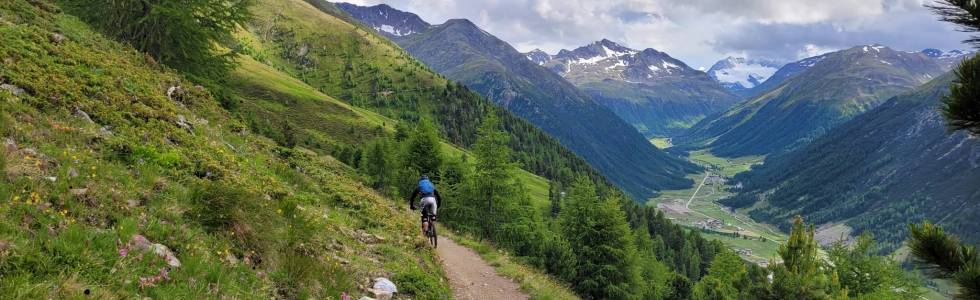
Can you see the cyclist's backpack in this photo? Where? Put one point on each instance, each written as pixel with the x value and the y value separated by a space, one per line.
pixel 426 187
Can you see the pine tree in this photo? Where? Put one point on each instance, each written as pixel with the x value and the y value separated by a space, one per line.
pixel 961 107
pixel 868 275
pixel 603 242
pixel 802 275
pixel 181 33
pixel 494 169
pixel 378 163
pixel 944 256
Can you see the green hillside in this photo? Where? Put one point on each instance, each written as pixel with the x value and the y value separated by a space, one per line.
pixel 315 44
pixel 96 152
pixel 892 166
pixel 666 107
pixel 832 89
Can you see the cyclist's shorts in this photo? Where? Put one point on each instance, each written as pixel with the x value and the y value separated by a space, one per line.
pixel 429 206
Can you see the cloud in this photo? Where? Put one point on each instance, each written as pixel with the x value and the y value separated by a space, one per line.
pixel 699 31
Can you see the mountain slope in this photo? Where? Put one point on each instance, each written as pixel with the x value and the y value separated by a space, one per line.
pixel 816 95
pixel 461 51
pixel 106 168
pixel 386 20
pixel 318 43
pixel 656 93
pixel 893 165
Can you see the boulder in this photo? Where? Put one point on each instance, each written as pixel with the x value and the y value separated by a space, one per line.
pixel 383 284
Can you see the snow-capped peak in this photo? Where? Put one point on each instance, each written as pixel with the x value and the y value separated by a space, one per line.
pixel 538 56
pixel 740 73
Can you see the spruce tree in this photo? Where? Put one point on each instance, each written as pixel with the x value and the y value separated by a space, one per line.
pixel 603 242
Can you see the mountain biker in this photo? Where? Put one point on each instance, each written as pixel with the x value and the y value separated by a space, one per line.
pixel 430 200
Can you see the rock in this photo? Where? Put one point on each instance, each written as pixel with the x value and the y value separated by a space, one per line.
pixel 57 38
pixel 132 203
pixel 368 238
pixel 105 130
pixel 182 122
pixel 83 115
pixel 175 91
pixel 9 144
pixel 79 192
pixel 51 178
pixel 366 298
pixel 72 172
pixel 13 89
pixel 140 242
pixel 381 295
pixel 384 284
pixel 231 259
pixel 303 50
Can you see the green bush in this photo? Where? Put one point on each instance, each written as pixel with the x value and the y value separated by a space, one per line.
pixel 420 285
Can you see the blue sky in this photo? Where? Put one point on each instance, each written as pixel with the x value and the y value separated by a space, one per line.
pixel 700 32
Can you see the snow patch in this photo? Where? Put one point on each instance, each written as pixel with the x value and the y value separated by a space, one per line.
pixel 392 30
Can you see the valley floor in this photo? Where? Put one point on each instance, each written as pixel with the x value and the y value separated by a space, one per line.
pixel 697 208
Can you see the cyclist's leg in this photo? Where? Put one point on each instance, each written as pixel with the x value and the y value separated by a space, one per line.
pixel 430 203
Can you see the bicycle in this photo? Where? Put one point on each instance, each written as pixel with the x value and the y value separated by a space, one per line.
pixel 431 232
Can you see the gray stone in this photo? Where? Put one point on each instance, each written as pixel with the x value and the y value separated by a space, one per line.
pixel 57 38
pixel 384 284
pixel 13 89
pixel 83 115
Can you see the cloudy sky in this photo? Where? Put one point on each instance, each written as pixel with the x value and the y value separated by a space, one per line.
pixel 699 32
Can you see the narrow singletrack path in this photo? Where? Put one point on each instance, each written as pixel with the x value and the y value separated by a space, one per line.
pixel 472 278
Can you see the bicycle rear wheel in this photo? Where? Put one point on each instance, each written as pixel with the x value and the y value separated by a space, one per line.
pixel 433 237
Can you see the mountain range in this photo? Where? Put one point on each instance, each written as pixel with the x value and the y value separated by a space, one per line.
pixel 894 164
pixel 658 94
pixel 461 51
pixel 741 75
pixel 806 98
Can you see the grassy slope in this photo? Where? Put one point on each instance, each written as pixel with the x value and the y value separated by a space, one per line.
pixel 262 222
pixel 270 94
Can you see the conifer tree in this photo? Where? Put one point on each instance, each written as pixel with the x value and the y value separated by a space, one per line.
pixel 180 33
pixel 961 107
pixel 727 278
pixel 494 172
pixel 603 242
pixel 944 256
pixel 802 275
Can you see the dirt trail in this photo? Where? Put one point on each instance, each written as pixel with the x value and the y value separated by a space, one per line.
pixel 472 278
